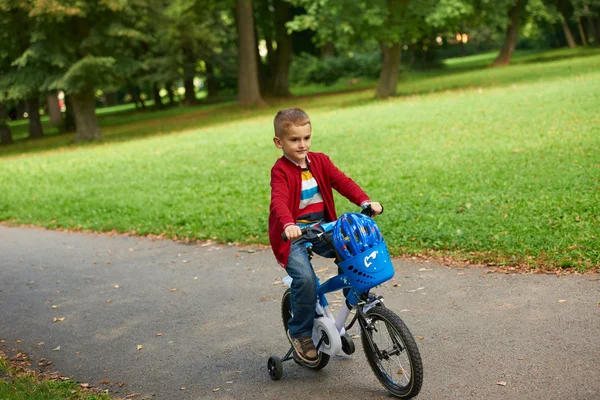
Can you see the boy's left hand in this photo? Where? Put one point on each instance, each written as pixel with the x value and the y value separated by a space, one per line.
pixel 377 208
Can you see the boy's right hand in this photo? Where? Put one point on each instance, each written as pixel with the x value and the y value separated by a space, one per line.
pixel 293 232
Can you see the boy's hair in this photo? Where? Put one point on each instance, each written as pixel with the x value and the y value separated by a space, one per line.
pixel 288 117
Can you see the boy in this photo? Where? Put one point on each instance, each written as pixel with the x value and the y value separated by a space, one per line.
pixel 301 194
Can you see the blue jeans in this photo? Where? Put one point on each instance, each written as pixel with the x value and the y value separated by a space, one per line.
pixel 304 285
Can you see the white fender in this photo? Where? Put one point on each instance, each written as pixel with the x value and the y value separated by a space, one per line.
pixel 326 325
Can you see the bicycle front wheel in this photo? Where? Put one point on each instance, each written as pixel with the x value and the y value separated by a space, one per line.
pixel 392 352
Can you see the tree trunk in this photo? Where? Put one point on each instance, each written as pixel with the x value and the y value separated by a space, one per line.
pixel 69 125
pixel 35 124
pixel 5 132
pixel 172 101
pixel 212 85
pixel 54 109
pixel 592 32
pixel 112 99
pixel 264 73
pixel 388 78
pixel 138 97
pixel 85 115
pixel 280 77
pixel 189 72
pixel 510 40
pixel 248 89
pixel 581 33
pixel 156 95
pixel 21 107
pixel 567 31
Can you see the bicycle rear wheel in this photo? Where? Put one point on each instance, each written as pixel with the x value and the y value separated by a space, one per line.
pixel 392 352
pixel 286 314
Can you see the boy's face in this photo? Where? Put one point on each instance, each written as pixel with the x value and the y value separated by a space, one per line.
pixel 296 143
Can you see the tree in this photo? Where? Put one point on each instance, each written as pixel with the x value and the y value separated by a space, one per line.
pixel 19 80
pixel 78 47
pixel 392 23
pixel 5 132
pixel 511 35
pixel 248 88
pixel 271 19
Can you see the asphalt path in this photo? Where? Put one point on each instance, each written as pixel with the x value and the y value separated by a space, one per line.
pixel 166 320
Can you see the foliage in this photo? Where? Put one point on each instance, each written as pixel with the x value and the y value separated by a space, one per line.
pixel 500 174
pixel 307 69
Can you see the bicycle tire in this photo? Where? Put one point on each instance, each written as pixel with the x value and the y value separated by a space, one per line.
pixel 286 313
pixel 404 376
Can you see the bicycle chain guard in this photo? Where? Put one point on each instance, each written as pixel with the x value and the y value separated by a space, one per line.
pixel 333 344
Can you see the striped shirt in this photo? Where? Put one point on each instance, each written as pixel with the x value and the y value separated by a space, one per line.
pixel 312 208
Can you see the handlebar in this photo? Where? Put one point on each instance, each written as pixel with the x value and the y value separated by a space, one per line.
pixel 368 211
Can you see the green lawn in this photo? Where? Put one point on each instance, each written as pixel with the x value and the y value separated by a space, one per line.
pixel 496 165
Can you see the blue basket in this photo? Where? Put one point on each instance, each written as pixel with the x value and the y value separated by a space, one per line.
pixel 369 269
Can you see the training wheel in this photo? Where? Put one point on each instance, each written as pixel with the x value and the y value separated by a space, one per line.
pixel 348 346
pixel 275 368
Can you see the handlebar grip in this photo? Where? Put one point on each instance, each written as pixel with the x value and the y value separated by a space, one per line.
pixel 285 238
pixel 368 211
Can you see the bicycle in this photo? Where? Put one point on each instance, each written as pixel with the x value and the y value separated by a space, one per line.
pixel 387 342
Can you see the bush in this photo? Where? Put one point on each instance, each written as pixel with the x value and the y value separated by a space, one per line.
pixel 307 69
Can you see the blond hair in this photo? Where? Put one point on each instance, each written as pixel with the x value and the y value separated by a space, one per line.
pixel 289 117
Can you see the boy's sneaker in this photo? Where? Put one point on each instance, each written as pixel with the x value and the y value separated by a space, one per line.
pixel 304 348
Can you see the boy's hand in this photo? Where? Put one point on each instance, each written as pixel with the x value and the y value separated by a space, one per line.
pixel 293 232
pixel 377 208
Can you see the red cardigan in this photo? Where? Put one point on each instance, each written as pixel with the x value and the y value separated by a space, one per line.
pixel 286 186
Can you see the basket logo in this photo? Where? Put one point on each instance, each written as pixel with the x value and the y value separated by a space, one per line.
pixel 373 256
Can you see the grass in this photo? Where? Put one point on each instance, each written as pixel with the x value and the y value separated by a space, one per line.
pixel 22 384
pixel 503 167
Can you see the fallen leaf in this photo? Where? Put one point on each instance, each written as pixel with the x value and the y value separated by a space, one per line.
pixel 182 388
pixel 40 343
pixel 56 349
pixel 501 383
pixel 216 389
pixel 173 290
pixel 108 301
pixel 129 396
pixel 400 372
pixel 59 319
pixel 54 307
pixel 139 347
pixel 420 338
pixel 105 382
pixel 85 385
pixel 396 285
pixel 185 261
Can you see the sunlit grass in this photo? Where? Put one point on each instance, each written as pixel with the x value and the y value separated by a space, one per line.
pixel 504 173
